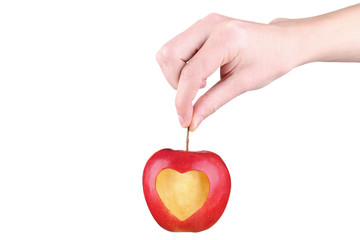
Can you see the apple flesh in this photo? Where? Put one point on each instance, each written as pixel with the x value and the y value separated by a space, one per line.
pixel 183 194
pixel 186 191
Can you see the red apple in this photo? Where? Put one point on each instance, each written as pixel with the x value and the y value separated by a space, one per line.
pixel 186 191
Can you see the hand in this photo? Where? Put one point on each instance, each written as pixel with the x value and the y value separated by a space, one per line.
pixel 250 56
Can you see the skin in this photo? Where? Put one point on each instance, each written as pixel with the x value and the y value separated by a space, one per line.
pixel 250 55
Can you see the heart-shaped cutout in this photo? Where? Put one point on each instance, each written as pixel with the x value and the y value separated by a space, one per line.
pixel 182 193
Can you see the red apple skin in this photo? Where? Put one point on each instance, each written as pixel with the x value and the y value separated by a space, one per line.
pixel 219 188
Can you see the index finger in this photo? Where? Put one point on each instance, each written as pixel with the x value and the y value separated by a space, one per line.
pixel 203 64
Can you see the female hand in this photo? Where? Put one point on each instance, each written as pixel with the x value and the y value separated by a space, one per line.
pixel 250 55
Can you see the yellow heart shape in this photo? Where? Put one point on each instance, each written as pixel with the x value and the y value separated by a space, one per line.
pixel 182 193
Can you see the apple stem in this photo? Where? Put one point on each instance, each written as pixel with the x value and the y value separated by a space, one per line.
pixel 187 140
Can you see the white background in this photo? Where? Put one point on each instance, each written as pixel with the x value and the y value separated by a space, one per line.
pixel 83 105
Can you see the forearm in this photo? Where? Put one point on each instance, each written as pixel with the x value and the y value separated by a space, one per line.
pixel 332 37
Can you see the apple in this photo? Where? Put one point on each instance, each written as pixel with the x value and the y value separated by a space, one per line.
pixel 186 191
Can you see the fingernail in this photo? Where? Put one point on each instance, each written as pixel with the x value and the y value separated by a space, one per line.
pixel 197 122
pixel 182 121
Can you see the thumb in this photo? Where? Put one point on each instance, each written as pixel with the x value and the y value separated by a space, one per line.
pixel 221 93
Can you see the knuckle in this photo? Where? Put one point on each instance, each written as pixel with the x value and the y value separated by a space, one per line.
pixel 232 26
pixel 245 87
pixel 215 105
pixel 213 18
pixel 164 54
pixel 188 72
pixel 233 33
pixel 279 20
pixel 210 104
pixel 173 85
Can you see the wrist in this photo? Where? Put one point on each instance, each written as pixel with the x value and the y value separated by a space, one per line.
pixel 303 43
pixel 331 37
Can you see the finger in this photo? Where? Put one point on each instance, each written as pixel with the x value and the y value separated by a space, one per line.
pixel 216 97
pixel 195 72
pixel 173 56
